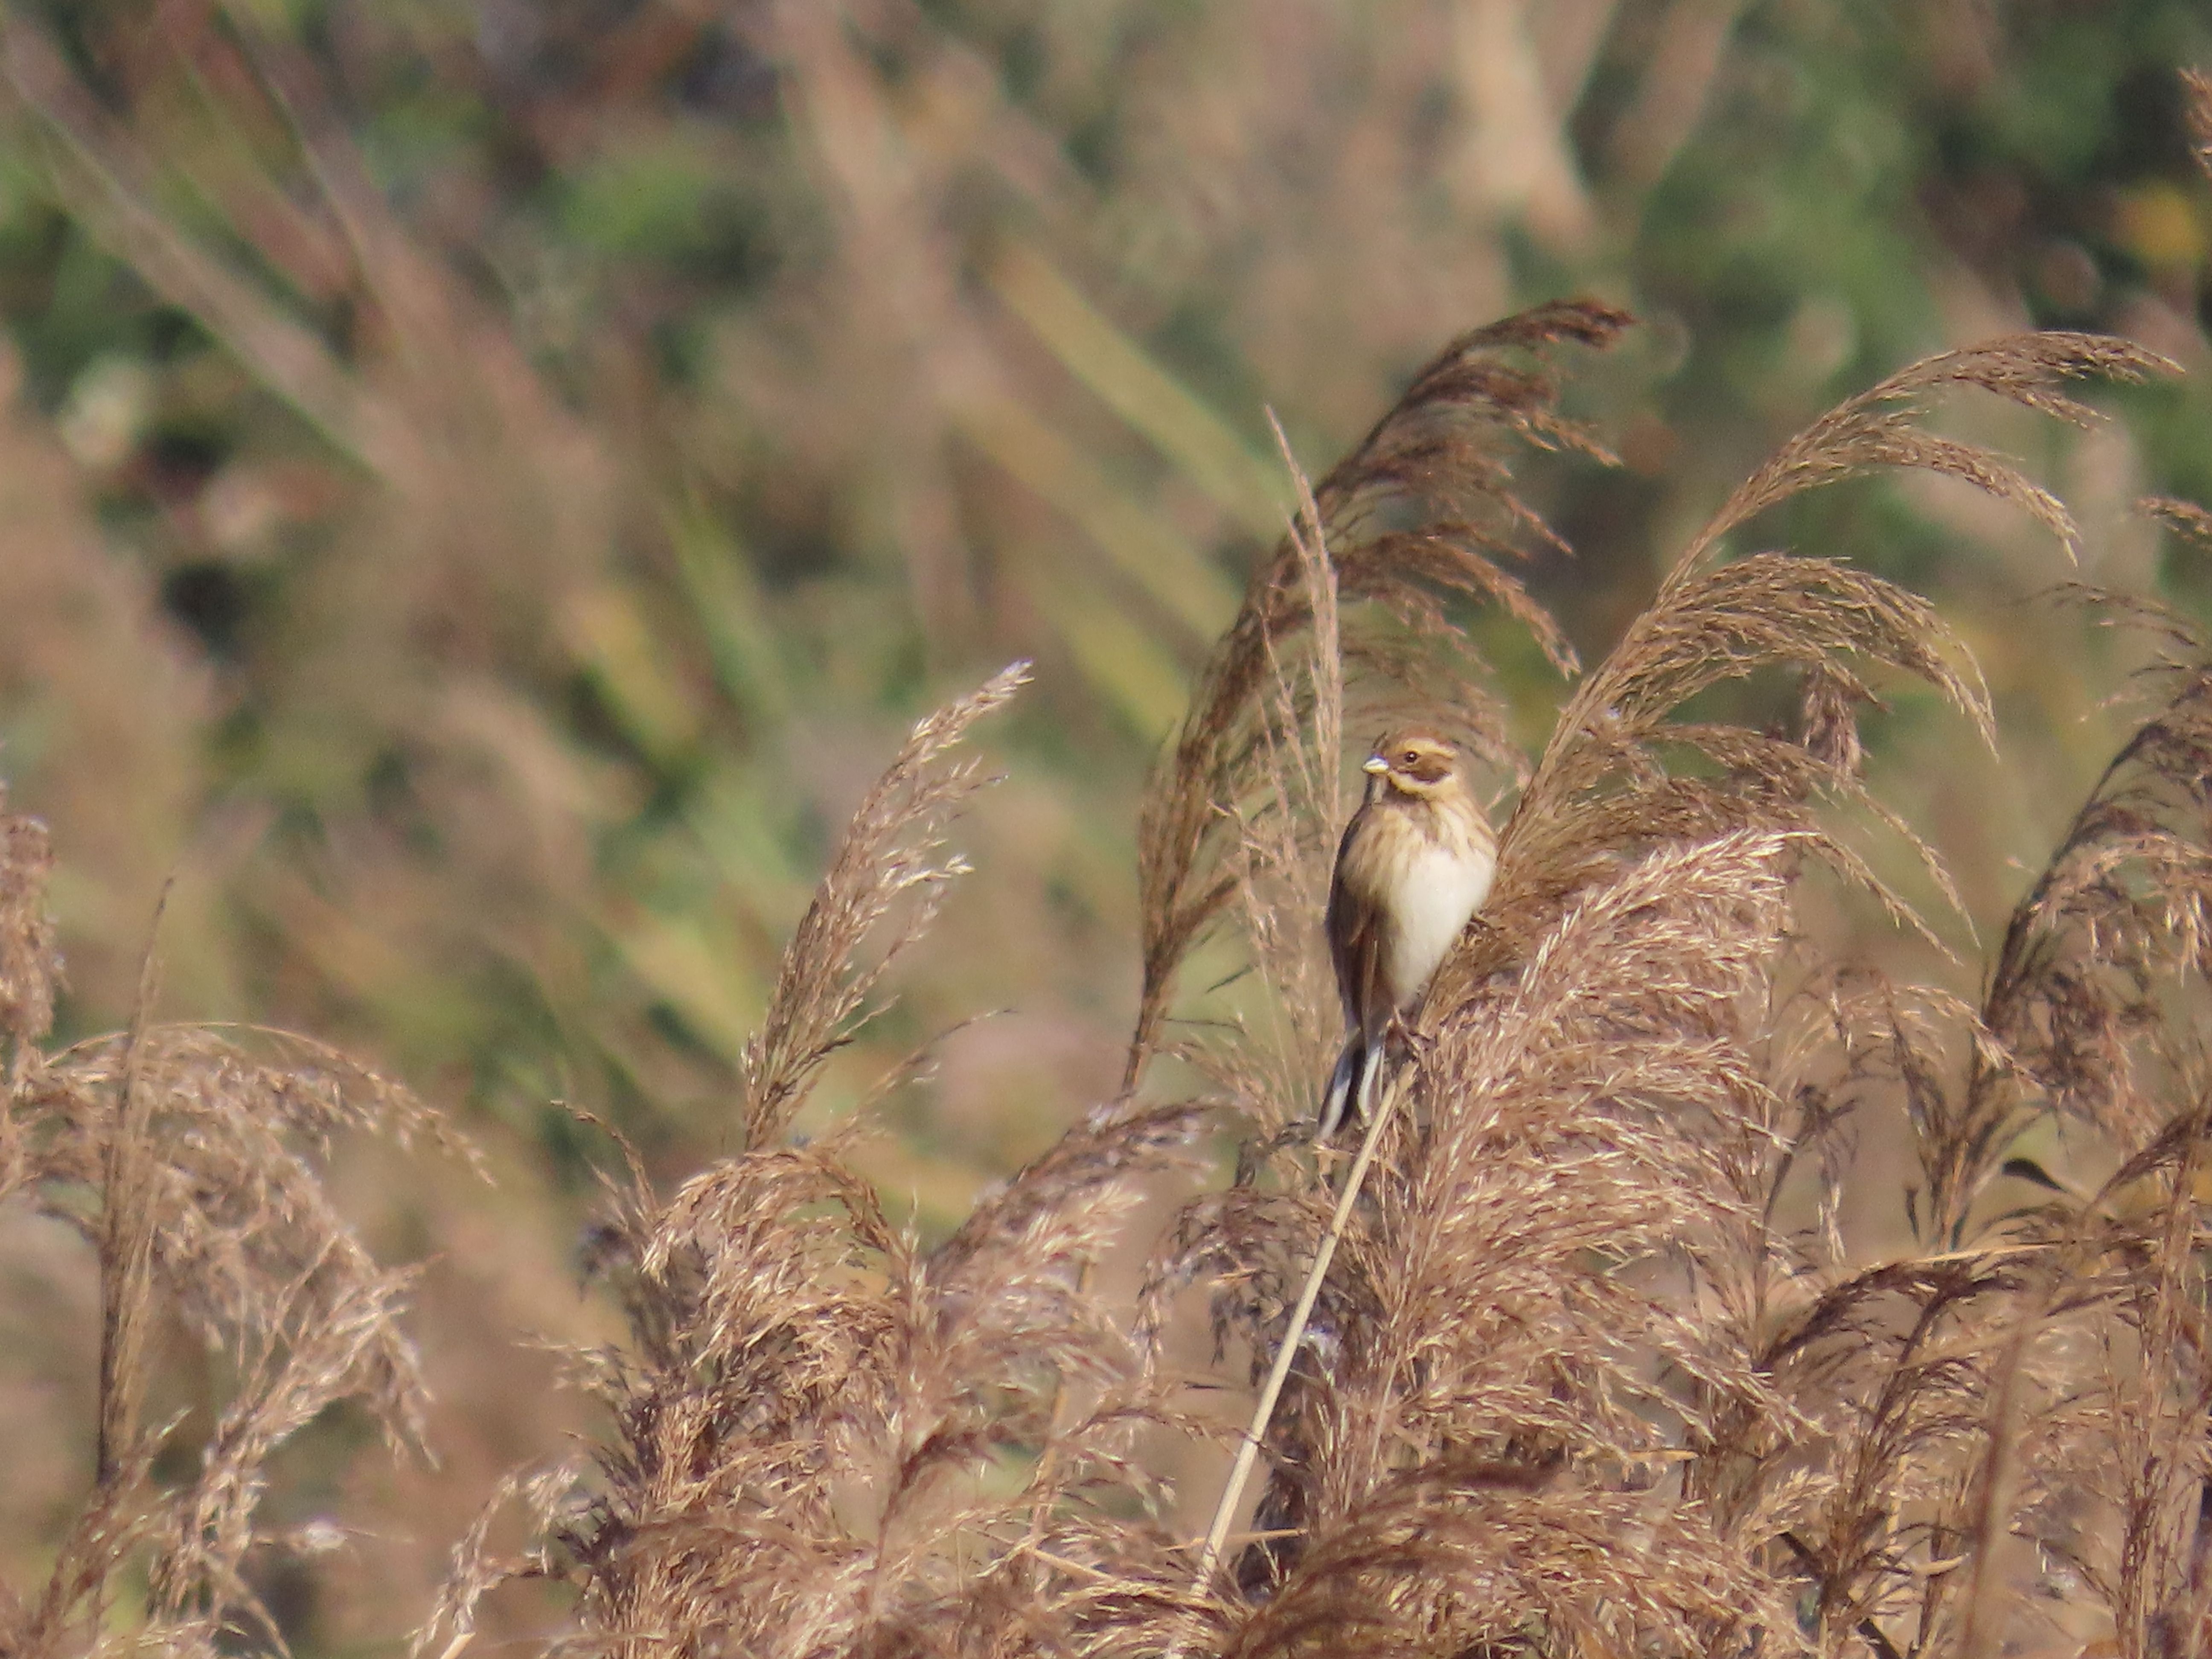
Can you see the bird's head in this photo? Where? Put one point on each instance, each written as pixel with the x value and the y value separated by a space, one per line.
pixel 1414 761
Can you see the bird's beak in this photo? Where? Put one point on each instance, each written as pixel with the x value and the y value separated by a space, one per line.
pixel 1374 765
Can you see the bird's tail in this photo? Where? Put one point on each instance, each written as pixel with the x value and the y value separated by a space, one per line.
pixel 1347 1089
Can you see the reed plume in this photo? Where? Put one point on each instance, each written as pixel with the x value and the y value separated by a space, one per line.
pixel 806 1419
pixel 1568 1280
pixel 189 1160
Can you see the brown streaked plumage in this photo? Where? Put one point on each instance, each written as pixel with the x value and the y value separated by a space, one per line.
pixel 1415 865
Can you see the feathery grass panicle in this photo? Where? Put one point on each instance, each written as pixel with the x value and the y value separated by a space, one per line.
pixel 188 1159
pixel 244 1250
pixel 891 850
pixel 1475 1557
pixel 1604 783
pixel 812 1418
pixel 1879 429
pixel 2034 1374
pixel 2097 999
pixel 1276 863
pixel 1570 1137
pixel 2079 994
pixel 1571 1270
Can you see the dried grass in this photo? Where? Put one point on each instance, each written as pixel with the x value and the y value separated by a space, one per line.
pixel 815 1417
pixel 1590 1371
pixel 188 1159
pixel 1593 1371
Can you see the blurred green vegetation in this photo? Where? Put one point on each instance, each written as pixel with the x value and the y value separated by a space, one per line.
pixel 486 483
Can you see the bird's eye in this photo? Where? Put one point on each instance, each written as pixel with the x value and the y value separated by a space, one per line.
pixel 1408 757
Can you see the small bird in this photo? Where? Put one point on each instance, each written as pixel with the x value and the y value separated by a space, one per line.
pixel 1415 865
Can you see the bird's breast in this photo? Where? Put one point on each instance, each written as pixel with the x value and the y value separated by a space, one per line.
pixel 1436 889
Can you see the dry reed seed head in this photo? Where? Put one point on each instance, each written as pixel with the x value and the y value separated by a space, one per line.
pixel 242 1243
pixel 892 849
pixel 1499 1558
pixel 1573 1386
pixel 807 1399
pixel 1604 789
pixel 1043 1217
pixel 548 1498
pixel 237 1204
pixel 1879 428
pixel 1488 1303
pixel 1472 377
pixel 765 1304
pixel 1252 1244
pixel 2188 519
pixel 1851 1037
pixel 2087 993
pixel 1773 608
pixel 2071 1324
pixel 332 1344
pixel 808 1402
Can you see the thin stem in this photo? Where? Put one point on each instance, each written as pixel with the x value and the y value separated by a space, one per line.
pixel 1263 1412
pixel 126 1245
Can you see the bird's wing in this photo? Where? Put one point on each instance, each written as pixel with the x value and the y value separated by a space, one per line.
pixel 1355 946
